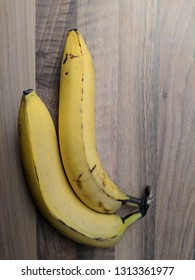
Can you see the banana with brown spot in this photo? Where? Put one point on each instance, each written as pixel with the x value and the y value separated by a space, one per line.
pixel 77 136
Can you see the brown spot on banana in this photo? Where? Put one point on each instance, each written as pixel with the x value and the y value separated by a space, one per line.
pixel 82 79
pixel 100 204
pixel 103 179
pixel 73 56
pixel 73 229
pixel 69 55
pixel 107 210
pixel 79 184
pixel 101 239
pixel 80 175
pixel 19 129
pixel 104 239
pixel 82 94
pixel 103 183
pixel 93 168
pixel 65 59
pixel 35 171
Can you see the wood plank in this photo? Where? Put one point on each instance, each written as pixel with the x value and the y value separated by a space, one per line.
pixel 17 64
pixel 53 20
pixel 175 197
pixel 138 77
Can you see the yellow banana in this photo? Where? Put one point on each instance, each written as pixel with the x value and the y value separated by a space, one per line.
pixel 77 135
pixel 50 187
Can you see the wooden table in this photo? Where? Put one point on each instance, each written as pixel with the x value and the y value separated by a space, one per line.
pixel 144 57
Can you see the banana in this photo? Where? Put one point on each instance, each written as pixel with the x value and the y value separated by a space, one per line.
pixel 50 188
pixel 76 128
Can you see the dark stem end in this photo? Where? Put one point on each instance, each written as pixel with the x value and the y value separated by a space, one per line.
pixel 27 91
pixel 145 204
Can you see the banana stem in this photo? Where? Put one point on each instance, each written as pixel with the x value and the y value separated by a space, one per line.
pixel 27 91
pixel 137 214
pixel 143 206
pixel 134 201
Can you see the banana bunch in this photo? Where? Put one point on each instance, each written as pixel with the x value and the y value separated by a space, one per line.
pixel 66 177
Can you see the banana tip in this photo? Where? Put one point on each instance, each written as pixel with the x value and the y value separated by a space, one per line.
pixel 73 29
pixel 27 91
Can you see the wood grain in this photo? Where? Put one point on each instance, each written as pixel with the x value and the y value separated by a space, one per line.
pixel 138 87
pixel 175 193
pixel 143 54
pixel 17 72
